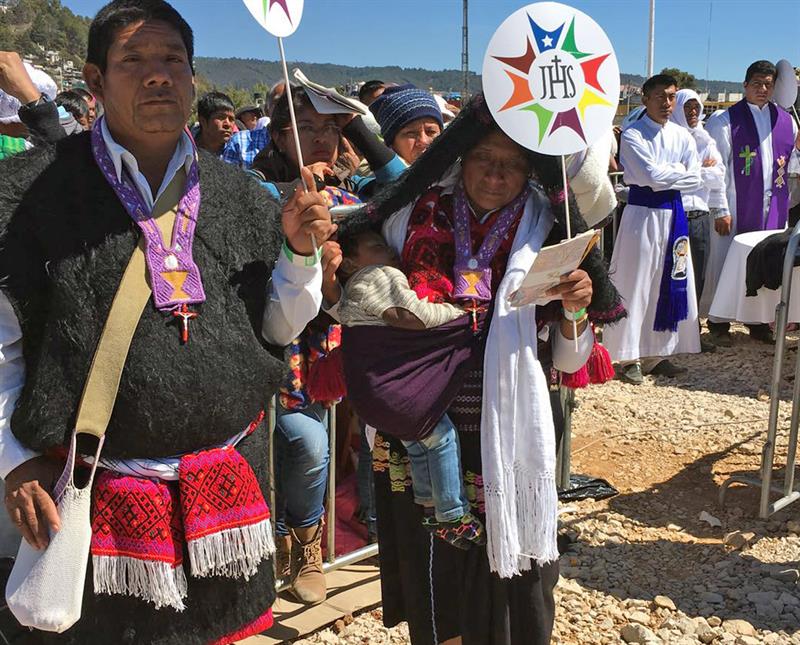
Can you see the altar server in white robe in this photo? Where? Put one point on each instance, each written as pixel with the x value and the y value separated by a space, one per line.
pixel 708 203
pixel 651 265
pixel 757 160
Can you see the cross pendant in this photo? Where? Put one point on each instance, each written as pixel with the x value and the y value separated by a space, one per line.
pixel 185 315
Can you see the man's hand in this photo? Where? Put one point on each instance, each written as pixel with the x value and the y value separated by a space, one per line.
pixel 14 78
pixel 331 261
pixel 708 162
pixel 28 500
pixel 575 290
pixel 306 215
pixel 722 225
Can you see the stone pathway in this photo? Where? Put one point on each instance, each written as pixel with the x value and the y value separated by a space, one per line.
pixel 644 567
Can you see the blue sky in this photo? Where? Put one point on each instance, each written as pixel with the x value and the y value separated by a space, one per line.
pixel 427 33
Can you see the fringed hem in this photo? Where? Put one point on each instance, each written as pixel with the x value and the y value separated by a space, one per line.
pixel 521 522
pixel 260 624
pixel 232 553
pixel 153 581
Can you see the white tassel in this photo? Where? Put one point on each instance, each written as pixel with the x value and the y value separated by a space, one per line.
pixel 537 517
pixel 153 581
pixel 232 553
pixel 521 522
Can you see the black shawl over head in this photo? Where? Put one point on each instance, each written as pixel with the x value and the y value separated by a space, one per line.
pixel 473 124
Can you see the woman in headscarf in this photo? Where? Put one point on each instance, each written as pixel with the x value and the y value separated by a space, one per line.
pixel 476 205
pixel 410 120
pixel 705 205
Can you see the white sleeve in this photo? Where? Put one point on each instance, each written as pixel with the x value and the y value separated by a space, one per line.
pixel 717 128
pixel 565 358
pixel 12 378
pixel 642 169
pixel 294 299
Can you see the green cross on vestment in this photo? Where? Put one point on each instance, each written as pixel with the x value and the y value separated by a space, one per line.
pixel 748 156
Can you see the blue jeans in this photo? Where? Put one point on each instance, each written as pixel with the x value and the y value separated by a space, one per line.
pixel 366 484
pixel 301 474
pixel 436 472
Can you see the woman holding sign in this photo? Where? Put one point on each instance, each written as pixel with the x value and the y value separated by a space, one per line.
pixel 469 217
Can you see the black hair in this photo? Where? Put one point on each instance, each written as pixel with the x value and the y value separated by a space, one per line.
pixel 86 95
pixel 659 80
pixel 271 162
pixel 761 67
pixel 120 13
pixel 471 126
pixel 73 103
pixel 368 88
pixel 212 102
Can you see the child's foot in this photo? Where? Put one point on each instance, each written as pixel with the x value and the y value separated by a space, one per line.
pixel 464 532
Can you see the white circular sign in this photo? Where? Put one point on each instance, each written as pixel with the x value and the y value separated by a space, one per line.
pixel 279 17
pixel 551 79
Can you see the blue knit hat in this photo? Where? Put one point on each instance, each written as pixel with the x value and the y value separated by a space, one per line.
pixel 400 105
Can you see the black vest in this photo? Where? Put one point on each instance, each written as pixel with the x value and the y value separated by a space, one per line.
pixel 64 249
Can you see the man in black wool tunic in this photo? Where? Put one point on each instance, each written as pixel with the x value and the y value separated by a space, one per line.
pixel 233 280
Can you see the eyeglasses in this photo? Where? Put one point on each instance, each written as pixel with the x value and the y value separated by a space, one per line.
pixel 487 162
pixel 767 85
pixel 329 131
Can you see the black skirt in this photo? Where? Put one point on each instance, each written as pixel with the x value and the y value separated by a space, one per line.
pixel 465 598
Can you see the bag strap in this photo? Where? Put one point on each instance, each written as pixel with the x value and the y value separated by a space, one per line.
pixel 133 293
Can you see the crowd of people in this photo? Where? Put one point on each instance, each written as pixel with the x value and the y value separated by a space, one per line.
pixel 245 287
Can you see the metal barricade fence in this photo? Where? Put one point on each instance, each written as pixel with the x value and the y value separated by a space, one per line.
pixel 788 493
pixel 331 561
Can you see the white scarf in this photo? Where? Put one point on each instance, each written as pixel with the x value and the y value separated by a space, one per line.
pixel 517 435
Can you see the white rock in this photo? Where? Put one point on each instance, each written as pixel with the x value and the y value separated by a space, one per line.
pixel 664 602
pixel 634 633
pixel 709 519
pixel 739 626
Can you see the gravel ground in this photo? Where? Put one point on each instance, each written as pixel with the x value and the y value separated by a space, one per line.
pixel 644 567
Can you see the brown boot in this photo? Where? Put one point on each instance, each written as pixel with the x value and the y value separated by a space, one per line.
pixel 308 580
pixel 283 557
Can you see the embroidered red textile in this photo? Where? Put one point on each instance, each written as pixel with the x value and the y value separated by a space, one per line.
pixel 260 624
pixel 429 252
pixel 140 525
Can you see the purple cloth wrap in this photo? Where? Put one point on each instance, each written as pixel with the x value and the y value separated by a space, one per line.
pixel 402 381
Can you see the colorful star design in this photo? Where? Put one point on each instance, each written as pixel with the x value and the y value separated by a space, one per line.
pixel 520 73
pixel 472 278
pixel 281 3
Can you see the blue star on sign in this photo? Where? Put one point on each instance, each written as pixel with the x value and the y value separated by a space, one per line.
pixel 545 39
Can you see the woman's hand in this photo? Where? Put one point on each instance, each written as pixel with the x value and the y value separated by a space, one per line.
pixel 331 261
pixel 575 290
pixel 304 216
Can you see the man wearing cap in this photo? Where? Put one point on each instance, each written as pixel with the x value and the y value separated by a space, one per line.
pixel 410 120
pixel 243 146
pixel 181 541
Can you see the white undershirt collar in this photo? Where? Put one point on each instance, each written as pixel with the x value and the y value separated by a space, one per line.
pixel 182 157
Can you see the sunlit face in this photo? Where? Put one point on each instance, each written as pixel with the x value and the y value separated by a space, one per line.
pixel 660 102
pixel 217 129
pixel 147 88
pixel 494 172
pixel 758 90
pixel 692 111
pixel 415 137
pixel 319 137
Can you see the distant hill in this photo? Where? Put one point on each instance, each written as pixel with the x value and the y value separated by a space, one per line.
pixel 34 26
pixel 247 72
pixel 244 73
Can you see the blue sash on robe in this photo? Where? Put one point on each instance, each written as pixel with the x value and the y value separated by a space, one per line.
pixel 673 301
